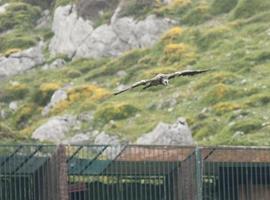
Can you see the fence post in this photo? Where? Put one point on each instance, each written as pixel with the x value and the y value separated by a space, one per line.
pixel 199 178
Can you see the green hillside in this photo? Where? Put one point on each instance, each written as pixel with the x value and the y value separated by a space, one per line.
pixel 229 105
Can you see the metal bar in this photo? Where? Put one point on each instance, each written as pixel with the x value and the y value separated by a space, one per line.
pixel 10 156
pixel 93 159
pixel 74 154
pixel 198 165
pixel 26 160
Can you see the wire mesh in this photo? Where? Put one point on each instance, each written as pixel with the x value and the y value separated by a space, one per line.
pixel 133 172
pixel 233 173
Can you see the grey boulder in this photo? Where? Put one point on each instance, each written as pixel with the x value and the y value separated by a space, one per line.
pixel 55 129
pixel 21 61
pixel 168 134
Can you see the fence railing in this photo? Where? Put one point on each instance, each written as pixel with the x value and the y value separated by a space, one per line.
pixel 133 172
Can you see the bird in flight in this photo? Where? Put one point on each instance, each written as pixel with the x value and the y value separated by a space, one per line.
pixel 161 79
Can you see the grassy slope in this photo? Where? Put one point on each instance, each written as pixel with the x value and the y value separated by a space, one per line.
pixel 229 105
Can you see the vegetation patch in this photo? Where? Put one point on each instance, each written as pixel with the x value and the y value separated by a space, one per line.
pixel 248 8
pixel 224 107
pixel 116 111
pixel 17 40
pixel 87 94
pixel 197 15
pixel 247 125
pixel 14 91
pixel 221 92
pixel 221 6
pixel 43 94
pixel 25 17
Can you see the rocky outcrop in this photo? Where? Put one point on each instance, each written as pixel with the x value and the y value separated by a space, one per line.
pixel 78 139
pixel 104 138
pixel 58 95
pixel 44 21
pixel 75 36
pixel 58 63
pixel 115 144
pixel 3 8
pixel 70 31
pixel 169 134
pixel 55 129
pixel 21 61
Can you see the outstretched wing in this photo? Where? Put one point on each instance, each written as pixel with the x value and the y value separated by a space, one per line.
pixel 186 73
pixel 139 83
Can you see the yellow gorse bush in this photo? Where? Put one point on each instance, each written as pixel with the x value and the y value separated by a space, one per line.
pixel 172 34
pixel 46 87
pixel 87 91
pixel 181 2
pixel 17 86
pixel 81 93
pixel 178 49
pixel 11 51
pixel 226 107
pixel 177 52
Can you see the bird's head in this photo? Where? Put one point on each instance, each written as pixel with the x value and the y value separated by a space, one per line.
pixel 165 81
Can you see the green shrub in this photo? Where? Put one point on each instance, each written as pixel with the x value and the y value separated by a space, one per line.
pixel 247 125
pixel 221 92
pixel 222 6
pixel 6 132
pixel 62 2
pixel 197 15
pixel 114 112
pixel 209 38
pixel 248 8
pixel 13 92
pixel 137 8
pixel 261 99
pixel 19 15
pixel 42 95
pixel 74 73
pixel 23 115
pixel 19 40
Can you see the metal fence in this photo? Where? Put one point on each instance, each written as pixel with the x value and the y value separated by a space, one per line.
pixel 133 172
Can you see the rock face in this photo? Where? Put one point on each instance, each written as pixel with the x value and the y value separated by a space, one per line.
pixel 55 129
pixel 44 21
pixel 113 150
pixel 79 139
pixel 75 36
pixel 58 63
pixel 58 95
pixel 21 61
pixel 70 31
pixel 169 134
pixel 3 8
pixel 104 138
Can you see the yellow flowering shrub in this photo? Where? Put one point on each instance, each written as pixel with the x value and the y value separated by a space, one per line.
pixel 221 92
pixel 178 49
pixel 226 107
pixel 61 106
pixel 172 34
pixel 181 2
pixel 11 51
pixel 46 87
pixel 178 52
pixel 92 92
pixel 81 94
